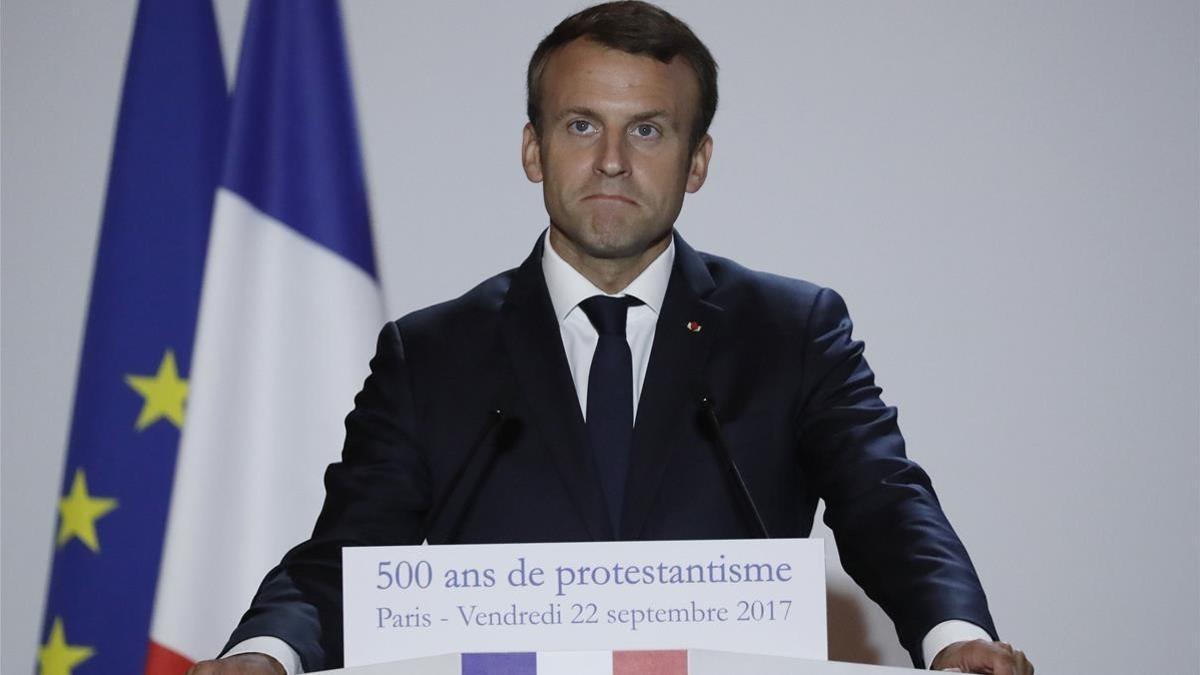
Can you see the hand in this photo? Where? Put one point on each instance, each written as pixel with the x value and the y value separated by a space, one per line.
pixel 982 656
pixel 239 664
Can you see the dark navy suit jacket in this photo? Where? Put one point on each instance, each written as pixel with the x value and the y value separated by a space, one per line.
pixel 798 409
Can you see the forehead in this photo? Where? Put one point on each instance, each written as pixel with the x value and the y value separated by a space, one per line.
pixel 587 74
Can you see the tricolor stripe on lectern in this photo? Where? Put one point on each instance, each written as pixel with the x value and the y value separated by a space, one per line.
pixel 666 662
pixel 287 324
pixel 137 348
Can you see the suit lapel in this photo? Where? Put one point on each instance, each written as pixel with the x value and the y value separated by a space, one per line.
pixel 670 400
pixel 534 343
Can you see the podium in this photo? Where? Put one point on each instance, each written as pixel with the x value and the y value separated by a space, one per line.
pixel 750 596
pixel 531 609
pixel 681 662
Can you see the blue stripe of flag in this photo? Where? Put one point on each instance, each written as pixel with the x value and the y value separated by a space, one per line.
pixel 293 139
pixel 499 663
pixel 167 157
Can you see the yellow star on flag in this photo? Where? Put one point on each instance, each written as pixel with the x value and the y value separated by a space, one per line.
pixel 164 393
pixel 79 513
pixel 56 657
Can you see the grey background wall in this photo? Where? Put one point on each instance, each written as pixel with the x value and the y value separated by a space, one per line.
pixel 1006 194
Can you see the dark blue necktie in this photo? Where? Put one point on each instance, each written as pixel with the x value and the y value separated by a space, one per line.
pixel 610 397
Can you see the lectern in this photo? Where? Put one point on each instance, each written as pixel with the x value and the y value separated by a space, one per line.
pixel 682 662
pixel 589 608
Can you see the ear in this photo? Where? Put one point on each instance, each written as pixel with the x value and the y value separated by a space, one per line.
pixel 531 153
pixel 698 166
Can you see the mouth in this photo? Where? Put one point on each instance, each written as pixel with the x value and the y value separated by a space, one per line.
pixel 610 198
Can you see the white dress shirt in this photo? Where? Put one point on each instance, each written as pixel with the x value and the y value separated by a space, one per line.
pixel 567 289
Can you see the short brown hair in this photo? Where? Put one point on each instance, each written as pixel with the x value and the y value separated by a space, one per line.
pixel 632 27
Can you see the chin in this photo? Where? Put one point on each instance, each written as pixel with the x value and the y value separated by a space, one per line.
pixel 614 244
pixel 612 252
pixel 610 238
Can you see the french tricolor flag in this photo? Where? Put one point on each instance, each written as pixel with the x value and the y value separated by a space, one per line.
pixel 668 662
pixel 290 308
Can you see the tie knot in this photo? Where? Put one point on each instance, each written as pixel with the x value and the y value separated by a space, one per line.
pixel 607 314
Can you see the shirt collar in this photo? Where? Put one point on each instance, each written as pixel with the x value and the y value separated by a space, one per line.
pixel 568 287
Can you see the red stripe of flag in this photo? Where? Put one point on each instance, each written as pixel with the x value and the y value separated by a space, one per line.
pixel 163 661
pixel 665 662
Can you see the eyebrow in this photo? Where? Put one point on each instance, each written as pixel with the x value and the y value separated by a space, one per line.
pixel 639 117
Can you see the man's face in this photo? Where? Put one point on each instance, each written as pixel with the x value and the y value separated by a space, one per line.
pixel 613 151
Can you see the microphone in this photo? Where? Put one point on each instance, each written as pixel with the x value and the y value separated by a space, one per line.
pixel 470 486
pixel 749 510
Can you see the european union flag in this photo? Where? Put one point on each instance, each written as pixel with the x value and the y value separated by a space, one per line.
pixel 132 388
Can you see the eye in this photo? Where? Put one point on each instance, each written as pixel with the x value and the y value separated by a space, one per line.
pixel 581 126
pixel 646 131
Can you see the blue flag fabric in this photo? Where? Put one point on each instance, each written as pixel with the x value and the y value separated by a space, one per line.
pixel 131 389
pixel 293 143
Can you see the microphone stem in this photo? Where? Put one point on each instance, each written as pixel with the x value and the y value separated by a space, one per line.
pixel 456 486
pixel 735 474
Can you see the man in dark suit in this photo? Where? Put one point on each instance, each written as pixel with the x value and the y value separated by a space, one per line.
pixel 507 415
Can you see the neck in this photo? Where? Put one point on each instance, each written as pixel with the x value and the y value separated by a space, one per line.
pixel 610 275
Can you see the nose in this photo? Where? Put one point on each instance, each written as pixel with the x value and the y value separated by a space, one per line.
pixel 612 158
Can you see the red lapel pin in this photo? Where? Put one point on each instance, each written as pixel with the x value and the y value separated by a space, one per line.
pixel 694 326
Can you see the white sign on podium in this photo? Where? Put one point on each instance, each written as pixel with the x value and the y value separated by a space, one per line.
pixel 764 596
